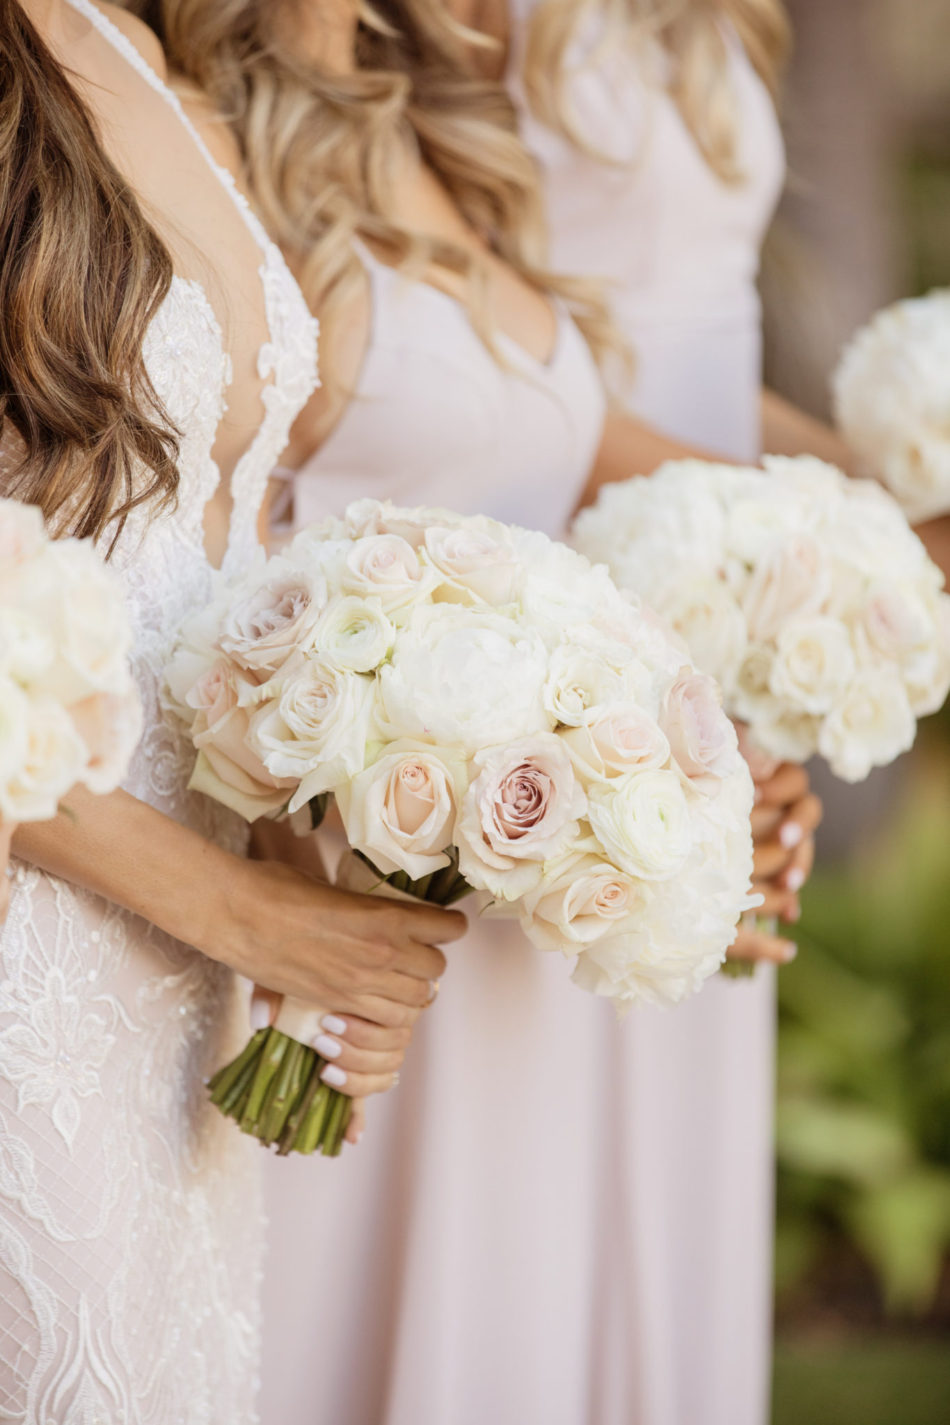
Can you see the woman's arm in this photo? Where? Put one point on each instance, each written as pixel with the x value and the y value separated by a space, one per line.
pixel 786 430
pixel 370 958
pixel 629 447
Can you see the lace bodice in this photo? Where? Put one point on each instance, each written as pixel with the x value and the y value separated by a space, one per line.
pixel 129 1210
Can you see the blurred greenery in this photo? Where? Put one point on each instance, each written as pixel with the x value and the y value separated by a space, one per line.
pixel 864 1060
pixel 864 1383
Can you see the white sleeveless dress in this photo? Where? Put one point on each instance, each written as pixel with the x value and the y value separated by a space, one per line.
pixel 692 1102
pixel 432 1275
pixel 130 1218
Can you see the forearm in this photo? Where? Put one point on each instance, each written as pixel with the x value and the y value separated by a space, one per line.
pixel 786 430
pixel 936 536
pixel 123 849
pixel 628 447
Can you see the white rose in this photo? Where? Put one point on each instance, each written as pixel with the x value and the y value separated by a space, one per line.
pixel 401 811
pixel 520 810
pixel 263 630
pixel 581 674
pixel 869 726
pixel 463 678
pixel 474 564
pixel 616 739
pixel 814 661
pixel 316 731
pixel 27 649
pixel 792 583
pixel 786 736
pixel 704 612
pixel 587 900
pixel 386 566
pixel 643 823
pixel 354 633
pixel 702 739
pixel 54 762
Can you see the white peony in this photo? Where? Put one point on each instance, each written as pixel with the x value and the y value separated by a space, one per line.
pixel 870 725
pixel 354 634
pixel 814 661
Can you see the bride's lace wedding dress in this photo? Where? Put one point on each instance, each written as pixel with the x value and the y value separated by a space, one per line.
pixel 129 1236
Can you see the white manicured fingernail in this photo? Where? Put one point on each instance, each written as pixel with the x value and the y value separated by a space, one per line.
pixel 789 951
pixel 790 835
pixel 333 1024
pixel 794 879
pixel 327 1048
pixel 333 1076
pixel 260 1013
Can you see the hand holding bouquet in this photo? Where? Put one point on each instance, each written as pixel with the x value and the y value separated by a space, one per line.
pixel 69 711
pixel 892 402
pixel 805 594
pixel 490 715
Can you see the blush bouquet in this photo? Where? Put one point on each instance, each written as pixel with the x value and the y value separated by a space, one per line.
pixel 490 715
pixel 69 711
pixel 806 595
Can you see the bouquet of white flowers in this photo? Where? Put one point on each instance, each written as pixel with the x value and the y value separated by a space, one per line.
pixel 490 715
pixel 892 402
pixel 69 711
pixel 805 594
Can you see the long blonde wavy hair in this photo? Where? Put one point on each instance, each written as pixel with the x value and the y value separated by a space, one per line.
pixel 321 148
pixel 81 276
pixel 691 32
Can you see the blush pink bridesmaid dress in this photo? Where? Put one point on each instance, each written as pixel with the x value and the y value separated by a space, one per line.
pixel 554 1219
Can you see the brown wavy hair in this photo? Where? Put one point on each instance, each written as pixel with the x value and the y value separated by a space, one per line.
pixel 690 31
pixel 81 276
pixel 320 148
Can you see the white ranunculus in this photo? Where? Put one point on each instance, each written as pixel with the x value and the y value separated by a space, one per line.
pixel 354 633
pixel 587 900
pixel 54 762
pixel 869 725
pixel 463 678
pixel 401 810
pixel 474 564
pixel 814 660
pixel 643 823
pixel 520 810
pixel 315 732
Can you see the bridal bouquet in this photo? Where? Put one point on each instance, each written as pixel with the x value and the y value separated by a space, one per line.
pixel 69 712
pixel 892 402
pixel 805 594
pixel 490 714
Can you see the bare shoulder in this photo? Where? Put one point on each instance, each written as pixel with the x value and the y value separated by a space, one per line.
pixel 136 30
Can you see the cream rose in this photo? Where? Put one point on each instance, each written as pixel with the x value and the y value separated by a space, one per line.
pixel 27 649
pixel 354 633
pixel 110 725
pixel 705 614
pixel 643 823
pixel 870 725
pixel 814 660
pixel 401 811
pixel 793 583
pixel 474 565
pixel 316 732
pixel 702 739
pixel 520 810
pixel 386 566
pixel 271 624
pixel 586 901
pixel 226 768
pixel 616 739
pixel 581 675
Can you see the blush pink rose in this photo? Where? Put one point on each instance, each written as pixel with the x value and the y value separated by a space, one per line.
pixel 227 768
pixel 266 628
pixel 795 581
pixel 702 739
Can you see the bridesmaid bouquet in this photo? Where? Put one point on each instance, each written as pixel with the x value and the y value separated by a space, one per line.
pixel 489 714
pixel 892 402
pixel 69 711
pixel 805 594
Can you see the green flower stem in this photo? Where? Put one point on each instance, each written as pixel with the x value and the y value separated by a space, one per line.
pixel 745 969
pixel 223 1081
pixel 336 1126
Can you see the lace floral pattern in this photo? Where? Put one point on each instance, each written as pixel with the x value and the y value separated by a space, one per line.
pixel 129 1265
